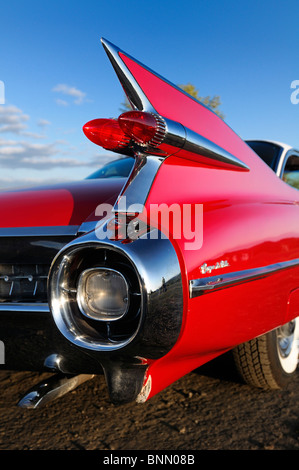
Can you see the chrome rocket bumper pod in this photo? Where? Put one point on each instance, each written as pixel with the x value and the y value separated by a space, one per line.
pixel 151 267
pixel 153 322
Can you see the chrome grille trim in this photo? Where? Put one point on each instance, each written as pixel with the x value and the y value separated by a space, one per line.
pixel 23 282
pixel 26 254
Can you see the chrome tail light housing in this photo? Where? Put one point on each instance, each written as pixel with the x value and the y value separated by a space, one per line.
pixel 109 295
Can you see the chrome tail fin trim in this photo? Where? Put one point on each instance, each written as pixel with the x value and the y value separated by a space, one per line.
pixel 134 92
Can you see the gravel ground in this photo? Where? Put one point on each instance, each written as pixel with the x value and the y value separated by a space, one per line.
pixel 205 410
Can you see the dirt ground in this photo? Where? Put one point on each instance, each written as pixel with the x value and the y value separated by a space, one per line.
pixel 209 409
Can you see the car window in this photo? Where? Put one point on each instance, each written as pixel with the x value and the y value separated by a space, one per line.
pixel 291 171
pixel 117 169
pixel 267 151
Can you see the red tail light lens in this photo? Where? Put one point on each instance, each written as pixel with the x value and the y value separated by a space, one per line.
pixel 144 128
pixel 106 133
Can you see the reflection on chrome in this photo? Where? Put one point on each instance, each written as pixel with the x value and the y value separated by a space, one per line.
pixel 151 270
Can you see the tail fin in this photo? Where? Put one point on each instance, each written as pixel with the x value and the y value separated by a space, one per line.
pixel 148 91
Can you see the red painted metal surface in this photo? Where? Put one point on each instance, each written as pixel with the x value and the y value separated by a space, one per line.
pixel 250 219
pixel 69 204
pixel 172 103
pixel 246 222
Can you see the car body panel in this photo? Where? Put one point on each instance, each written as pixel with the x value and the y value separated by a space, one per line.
pixel 57 205
pixel 249 229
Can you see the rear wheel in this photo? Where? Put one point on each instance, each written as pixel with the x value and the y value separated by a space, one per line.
pixel 270 361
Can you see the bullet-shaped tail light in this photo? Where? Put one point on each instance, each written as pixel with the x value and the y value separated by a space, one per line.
pixel 106 133
pixel 146 129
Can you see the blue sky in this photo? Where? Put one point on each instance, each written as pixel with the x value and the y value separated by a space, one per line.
pixel 57 76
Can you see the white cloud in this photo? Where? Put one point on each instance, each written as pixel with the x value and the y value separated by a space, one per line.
pixel 43 123
pixel 23 154
pixel 61 102
pixel 17 152
pixel 12 119
pixel 78 95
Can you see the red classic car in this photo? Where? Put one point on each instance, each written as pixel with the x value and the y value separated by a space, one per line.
pixel 183 249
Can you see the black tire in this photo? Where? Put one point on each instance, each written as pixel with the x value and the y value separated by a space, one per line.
pixel 270 361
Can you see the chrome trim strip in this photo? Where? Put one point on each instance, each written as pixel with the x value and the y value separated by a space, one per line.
pixel 87 226
pixel 175 133
pixel 57 230
pixel 139 183
pixel 283 161
pixel 203 285
pixel 196 143
pixel 187 140
pixel 24 307
pixel 132 89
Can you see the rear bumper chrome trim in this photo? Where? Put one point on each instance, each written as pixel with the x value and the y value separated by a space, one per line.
pixel 24 307
pixel 208 284
pixel 59 230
